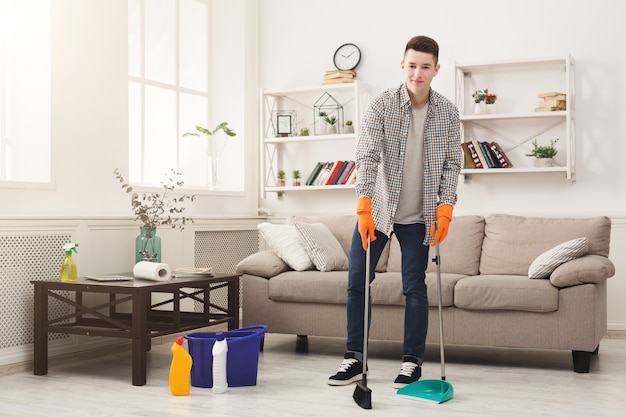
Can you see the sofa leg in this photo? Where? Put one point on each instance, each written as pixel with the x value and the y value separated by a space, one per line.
pixel 302 343
pixel 581 361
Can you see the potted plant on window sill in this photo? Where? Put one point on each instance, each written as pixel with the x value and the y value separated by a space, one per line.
pixel 544 155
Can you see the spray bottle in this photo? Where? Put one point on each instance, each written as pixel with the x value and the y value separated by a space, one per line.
pixel 220 350
pixel 69 272
pixel 180 369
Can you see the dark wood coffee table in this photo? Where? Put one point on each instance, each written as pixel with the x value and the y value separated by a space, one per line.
pixel 146 320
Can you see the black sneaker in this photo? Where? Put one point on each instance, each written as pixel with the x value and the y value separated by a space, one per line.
pixel 410 372
pixel 350 370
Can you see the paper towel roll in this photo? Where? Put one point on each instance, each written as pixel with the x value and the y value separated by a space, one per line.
pixel 152 271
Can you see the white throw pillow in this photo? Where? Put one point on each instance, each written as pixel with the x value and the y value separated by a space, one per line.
pixel 286 242
pixel 322 246
pixel 548 261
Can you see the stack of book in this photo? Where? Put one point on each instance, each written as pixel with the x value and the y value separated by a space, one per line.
pixel 552 101
pixel 483 154
pixel 339 76
pixel 332 173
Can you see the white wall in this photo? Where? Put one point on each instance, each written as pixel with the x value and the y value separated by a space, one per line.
pixel 298 38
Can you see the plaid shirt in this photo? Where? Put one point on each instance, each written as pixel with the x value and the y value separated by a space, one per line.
pixel 380 155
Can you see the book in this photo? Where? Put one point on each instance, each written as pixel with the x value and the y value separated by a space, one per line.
pixel 491 162
pixel 548 109
pixel 551 94
pixel 338 75
pixel 333 174
pixel 352 177
pixel 469 162
pixel 480 154
pixel 346 172
pixel 314 173
pixel 478 163
pixel 324 173
pixel 340 173
pixel 348 72
pixel 553 103
pixel 338 81
pixel 499 154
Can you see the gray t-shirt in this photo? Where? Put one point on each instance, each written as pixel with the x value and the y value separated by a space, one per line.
pixel 411 205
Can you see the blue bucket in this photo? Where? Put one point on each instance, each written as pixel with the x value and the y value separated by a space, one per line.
pixel 242 360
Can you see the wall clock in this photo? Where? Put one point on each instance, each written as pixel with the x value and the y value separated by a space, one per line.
pixel 347 57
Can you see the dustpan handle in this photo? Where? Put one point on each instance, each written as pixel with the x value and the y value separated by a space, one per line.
pixel 366 310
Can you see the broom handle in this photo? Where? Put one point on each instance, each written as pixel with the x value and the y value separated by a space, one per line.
pixel 366 310
pixel 443 361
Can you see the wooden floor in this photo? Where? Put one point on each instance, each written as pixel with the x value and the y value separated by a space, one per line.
pixel 487 382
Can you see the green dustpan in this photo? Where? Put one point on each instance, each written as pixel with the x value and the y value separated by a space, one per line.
pixel 428 390
pixel 435 390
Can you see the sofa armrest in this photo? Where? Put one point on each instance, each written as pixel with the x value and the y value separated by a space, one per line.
pixel 264 264
pixel 588 269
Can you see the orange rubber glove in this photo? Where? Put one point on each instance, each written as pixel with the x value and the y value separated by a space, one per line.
pixel 366 221
pixel 444 217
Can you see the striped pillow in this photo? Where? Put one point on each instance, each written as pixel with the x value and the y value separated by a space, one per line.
pixel 322 246
pixel 548 261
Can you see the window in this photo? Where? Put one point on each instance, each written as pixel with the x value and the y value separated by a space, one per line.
pixel 24 91
pixel 169 94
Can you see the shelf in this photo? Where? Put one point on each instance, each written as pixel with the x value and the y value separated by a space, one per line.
pixel 510 116
pixel 304 152
pixel 310 188
pixel 311 138
pixel 517 83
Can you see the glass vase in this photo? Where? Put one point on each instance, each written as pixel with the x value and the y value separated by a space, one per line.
pixel 147 245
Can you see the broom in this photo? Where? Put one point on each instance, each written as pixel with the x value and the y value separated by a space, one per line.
pixel 362 394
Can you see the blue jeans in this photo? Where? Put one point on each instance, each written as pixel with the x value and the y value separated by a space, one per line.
pixel 414 264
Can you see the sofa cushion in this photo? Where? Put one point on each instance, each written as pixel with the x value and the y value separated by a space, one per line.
pixel 387 289
pixel 264 264
pixel 342 228
pixel 310 287
pixel 512 242
pixel 459 252
pixel 506 292
pixel 322 247
pixel 589 269
pixel 547 262
pixel 284 239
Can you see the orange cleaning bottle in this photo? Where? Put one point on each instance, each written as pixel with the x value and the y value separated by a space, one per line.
pixel 180 369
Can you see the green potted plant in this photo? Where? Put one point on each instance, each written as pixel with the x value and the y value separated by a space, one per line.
pixel 296 177
pixel 331 127
pixel 213 150
pixel 349 128
pixel 544 155
pixel 281 178
pixel 304 131
pixel 153 210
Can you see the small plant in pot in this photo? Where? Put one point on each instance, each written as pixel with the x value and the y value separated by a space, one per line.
pixel 304 131
pixel 331 127
pixel 544 154
pixel 296 177
pixel 281 178
pixel 349 128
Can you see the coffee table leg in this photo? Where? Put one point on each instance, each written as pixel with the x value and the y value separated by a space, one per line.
pixel 140 337
pixel 40 349
pixel 233 303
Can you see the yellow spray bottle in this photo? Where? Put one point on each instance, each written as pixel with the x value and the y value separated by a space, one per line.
pixel 69 273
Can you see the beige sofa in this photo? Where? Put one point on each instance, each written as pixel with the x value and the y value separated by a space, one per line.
pixel 488 297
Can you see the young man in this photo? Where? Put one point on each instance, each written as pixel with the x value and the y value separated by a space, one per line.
pixel 408 160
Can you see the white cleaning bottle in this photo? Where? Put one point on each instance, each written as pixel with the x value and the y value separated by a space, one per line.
pixel 220 352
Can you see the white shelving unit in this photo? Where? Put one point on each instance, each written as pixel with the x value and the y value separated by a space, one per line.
pixel 303 152
pixel 515 124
